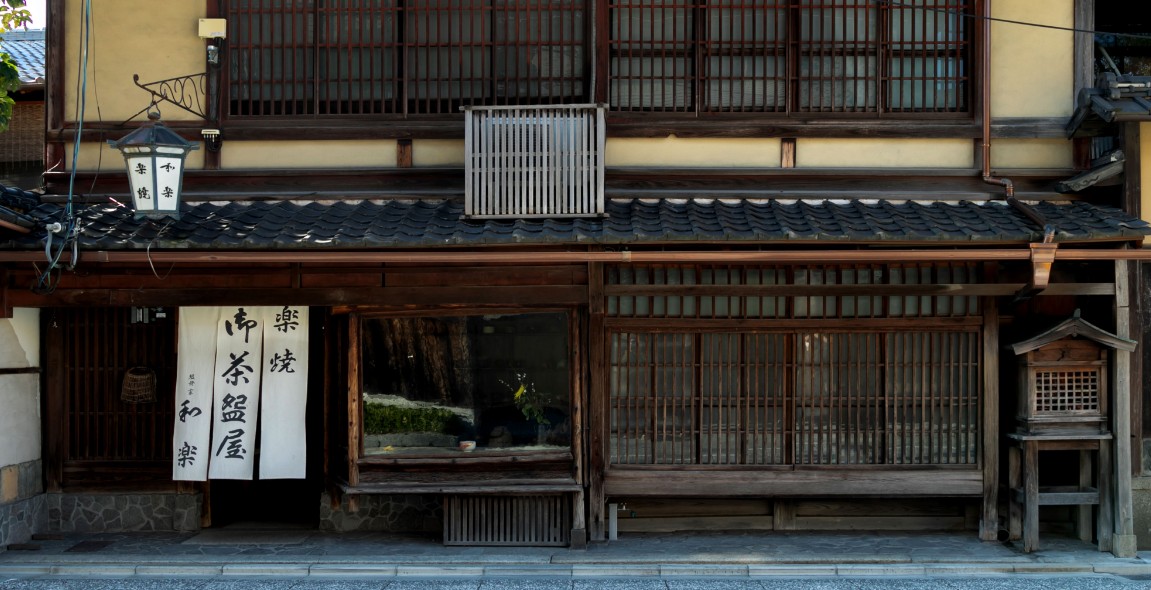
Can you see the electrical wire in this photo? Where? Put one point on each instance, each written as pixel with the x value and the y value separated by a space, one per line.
pixel 66 226
pixel 1010 21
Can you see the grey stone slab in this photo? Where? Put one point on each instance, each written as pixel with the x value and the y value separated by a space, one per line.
pixel 434 584
pixel 230 537
pixel 249 584
pixel 525 584
pixel 705 584
pixel 620 584
pixel 614 570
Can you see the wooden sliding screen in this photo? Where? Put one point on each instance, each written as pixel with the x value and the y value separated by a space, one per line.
pixel 724 367
pixel 100 440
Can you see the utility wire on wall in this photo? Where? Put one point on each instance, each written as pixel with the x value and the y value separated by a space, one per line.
pixel 1146 37
pixel 61 235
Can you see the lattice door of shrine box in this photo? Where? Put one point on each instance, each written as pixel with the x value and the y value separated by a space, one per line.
pixel 1063 388
pixel 534 521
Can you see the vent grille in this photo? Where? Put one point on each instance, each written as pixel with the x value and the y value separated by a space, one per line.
pixel 535 521
pixel 544 161
pixel 1067 392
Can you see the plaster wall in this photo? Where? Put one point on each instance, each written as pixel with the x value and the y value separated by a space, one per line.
pixel 100 157
pixel 1145 170
pixel 20 392
pixel 1054 154
pixel 164 43
pixel 680 152
pixel 239 155
pixel 884 153
pixel 1032 67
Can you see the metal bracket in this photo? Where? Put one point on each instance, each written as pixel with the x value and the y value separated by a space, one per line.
pixel 186 92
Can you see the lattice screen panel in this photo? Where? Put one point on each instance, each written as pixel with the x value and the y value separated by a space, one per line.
pixel 1067 391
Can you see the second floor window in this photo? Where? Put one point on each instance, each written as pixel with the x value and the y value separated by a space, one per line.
pixel 404 57
pixel 411 58
pixel 812 56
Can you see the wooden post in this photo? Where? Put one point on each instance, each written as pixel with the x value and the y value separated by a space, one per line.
pixel 1030 495
pixel 989 522
pixel 54 418
pixel 1124 541
pixel 354 410
pixel 597 400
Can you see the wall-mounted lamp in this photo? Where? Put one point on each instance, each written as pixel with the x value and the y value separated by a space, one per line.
pixel 155 158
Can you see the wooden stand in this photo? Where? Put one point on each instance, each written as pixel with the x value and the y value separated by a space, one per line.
pixel 1025 495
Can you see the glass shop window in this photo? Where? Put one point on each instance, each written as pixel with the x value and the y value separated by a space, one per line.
pixel 468 384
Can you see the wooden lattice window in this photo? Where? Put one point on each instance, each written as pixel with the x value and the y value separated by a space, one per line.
pixel 1067 391
pixel 744 291
pixel 794 397
pixel 830 56
pixel 402 57
pixel 792 365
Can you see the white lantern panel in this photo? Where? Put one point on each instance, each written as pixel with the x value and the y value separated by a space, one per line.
pixel 168 173
pixel 141 177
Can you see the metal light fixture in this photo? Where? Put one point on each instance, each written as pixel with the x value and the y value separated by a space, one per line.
pixel 155 158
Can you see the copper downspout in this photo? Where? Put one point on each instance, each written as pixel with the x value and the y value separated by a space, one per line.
pixel 1042 254
pixel 985 79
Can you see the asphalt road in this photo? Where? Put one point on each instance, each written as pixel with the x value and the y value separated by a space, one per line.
pixel 1004 582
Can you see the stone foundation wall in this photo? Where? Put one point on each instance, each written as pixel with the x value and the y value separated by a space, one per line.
pixel 23 509
pixel 112 513
pixel 415 513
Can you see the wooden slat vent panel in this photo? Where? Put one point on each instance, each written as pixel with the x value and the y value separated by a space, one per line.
pixel 534 521
pixel 534 161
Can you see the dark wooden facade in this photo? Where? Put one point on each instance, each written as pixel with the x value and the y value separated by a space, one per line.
pixel 755 417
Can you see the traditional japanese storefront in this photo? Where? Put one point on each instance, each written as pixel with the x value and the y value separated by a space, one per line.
pixel 786 364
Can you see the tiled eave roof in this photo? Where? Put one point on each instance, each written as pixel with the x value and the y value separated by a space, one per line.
pixel 422 224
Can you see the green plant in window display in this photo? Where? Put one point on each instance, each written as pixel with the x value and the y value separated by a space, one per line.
pixel 527 399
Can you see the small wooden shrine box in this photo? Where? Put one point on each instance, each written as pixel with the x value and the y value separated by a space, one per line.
pixel 1063 379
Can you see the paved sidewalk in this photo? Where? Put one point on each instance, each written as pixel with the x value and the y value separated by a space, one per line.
pixel 288 552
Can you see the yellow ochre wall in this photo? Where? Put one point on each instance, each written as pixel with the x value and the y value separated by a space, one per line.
pixel 1145 171
pixel 1031 77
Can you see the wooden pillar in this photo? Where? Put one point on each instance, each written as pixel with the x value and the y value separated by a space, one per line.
pixel 597 403
pixel 1124 541
pixel 354 401
pixel 989 521
pixel 54 406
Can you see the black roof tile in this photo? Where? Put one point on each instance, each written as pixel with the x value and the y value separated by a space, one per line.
pixel 400 223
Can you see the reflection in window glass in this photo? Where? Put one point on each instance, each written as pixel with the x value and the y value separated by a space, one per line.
pixel 434 385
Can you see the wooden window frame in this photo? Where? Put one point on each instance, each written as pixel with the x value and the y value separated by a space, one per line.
pixel 513 458
pixel 891 451
pixel 388 90
pixel 695 48
pixel 622 123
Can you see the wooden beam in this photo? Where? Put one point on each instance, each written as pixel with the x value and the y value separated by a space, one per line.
pixel 404 153
pixel 1084 64
pixel 539 295
pixel 942 289
pixel 528 257
pixel 508 256
pixel 623 483
pixel 787 152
